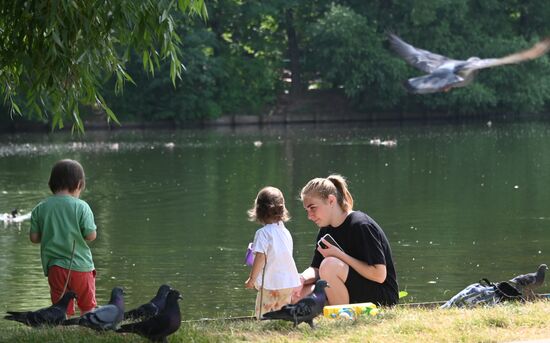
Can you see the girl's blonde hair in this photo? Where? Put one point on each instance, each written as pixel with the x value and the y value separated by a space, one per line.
pixel 323 187
pixel 269 207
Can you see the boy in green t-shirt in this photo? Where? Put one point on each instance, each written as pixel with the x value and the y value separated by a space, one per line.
pixel 60 222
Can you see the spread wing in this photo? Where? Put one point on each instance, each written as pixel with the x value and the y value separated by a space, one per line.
pixel 432 83
pixel 422 59
pixel 535 51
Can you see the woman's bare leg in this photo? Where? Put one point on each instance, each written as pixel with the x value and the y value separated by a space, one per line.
pixel 335 272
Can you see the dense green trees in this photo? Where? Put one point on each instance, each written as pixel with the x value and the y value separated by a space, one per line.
pixel 248 53
pixel 55 55
pixel 247 50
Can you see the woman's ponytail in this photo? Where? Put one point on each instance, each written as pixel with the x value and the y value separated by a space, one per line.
pixel 334 184
pixel 345 200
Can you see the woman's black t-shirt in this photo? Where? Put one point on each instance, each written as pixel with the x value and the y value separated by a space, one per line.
pixel 362 238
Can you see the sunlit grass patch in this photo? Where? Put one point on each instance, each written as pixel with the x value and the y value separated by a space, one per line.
pixel 24 334
pixel 501 323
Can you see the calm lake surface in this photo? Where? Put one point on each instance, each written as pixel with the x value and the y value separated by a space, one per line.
pixel 458 202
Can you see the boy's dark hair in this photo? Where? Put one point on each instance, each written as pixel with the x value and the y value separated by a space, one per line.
pixel 66 175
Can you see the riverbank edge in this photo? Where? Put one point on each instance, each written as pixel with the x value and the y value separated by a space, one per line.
pixel 21 126
pixel 312 107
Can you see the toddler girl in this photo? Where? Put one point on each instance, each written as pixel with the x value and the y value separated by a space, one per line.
pixel 273 272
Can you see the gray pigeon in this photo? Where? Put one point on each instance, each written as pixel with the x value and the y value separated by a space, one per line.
pixel 527 282
pixel 445 73
pixel 106 317
pixel 151 308
pixel 304 310
pixel 48 316
pixel 158 327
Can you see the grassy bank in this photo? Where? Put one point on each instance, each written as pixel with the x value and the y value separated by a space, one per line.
pixel 502 323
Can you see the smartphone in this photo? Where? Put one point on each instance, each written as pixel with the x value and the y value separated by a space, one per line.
pixel 329 239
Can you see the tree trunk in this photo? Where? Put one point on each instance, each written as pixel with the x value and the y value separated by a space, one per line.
pixel 296 86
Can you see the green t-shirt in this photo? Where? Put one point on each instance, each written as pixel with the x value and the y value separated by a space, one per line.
pixel 60 220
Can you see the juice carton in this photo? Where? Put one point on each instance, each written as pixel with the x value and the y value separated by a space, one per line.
pixel 349 311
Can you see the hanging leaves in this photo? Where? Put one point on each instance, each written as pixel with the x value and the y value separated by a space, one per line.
pixel 55 55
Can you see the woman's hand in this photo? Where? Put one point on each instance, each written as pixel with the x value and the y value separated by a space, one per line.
pixel 330 250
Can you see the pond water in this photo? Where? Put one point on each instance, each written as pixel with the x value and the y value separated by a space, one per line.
pixel 458 203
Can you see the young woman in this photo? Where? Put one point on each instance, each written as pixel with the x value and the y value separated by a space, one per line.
pixel 362 270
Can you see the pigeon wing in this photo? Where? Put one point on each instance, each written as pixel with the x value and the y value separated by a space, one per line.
pixel 535 51
pixel 150 327
pixel 284 313
pixel 433 83
pixel 105 317
pixel 49 316
pixel 422 59
pixel 144 311
pixel 531 279
pixel 304 307
pixel 45 316
pixel 524 279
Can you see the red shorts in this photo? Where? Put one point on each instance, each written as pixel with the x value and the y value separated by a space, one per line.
pixel 82 283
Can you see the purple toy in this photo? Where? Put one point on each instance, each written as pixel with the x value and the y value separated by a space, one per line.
pixel 249 258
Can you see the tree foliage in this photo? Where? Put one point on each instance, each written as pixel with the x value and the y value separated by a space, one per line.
pixel 351 56
pixel 233 64
pixel 240 59
pixel 55 55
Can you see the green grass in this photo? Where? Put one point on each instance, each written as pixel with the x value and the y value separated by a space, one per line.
pixel 506 322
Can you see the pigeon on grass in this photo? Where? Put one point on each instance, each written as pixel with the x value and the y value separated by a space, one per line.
pixel 151 308
pixel 305 309
pixel 159 326
pixel 527 282
pixel 48 316
pixel 105 317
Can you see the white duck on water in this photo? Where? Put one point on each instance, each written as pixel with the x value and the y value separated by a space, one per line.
pixel 445 73
pixel 14 217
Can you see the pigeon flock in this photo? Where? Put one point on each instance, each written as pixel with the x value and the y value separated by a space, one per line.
pixel 154 320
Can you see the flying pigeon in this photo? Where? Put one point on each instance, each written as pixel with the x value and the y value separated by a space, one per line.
pixel 304 310
pixel 151 308
pixel 528 282
pixel 159 326
pixel 445 73
pixel 50 316
pixel 106 317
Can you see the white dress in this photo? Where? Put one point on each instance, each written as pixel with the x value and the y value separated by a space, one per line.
pixel 274 240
